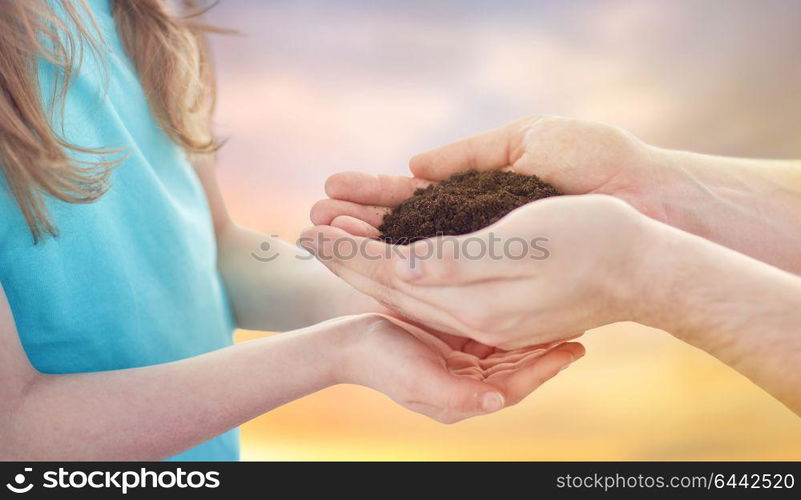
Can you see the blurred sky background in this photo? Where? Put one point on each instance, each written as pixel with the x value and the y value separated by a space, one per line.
pixel 315 87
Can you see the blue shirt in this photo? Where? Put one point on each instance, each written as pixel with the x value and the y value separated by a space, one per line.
pixel 131 279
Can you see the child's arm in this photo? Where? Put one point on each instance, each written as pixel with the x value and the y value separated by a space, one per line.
pixel 287 289
pixel 157 411
pixel 273 285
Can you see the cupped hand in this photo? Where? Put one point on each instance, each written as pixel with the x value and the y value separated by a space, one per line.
pixel 443 377
pixel 577 157
pixel 546 272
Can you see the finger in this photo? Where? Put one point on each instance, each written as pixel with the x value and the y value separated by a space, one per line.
pixel 460 397
pixel 362 263
pixel 510 365
pixel 367 265
pixel 355 226
pixel 512 359
pixel 508 249
pixel 325 211
pixel 524 380
pixel 458 360
pixel 473 372
pixel 491 150
pixel 502 361
pixel 506 356
pixel 478 349
pixel 436 261
pixel 496 323
pixel 366 189
pixel 338 250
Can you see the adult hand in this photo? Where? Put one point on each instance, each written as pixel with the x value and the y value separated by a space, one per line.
pixel 752 206
pixel 547 271
pixel 749 205
pixel 577 157
pixel 445 378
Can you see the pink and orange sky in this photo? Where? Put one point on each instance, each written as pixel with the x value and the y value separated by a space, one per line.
pixel 313 87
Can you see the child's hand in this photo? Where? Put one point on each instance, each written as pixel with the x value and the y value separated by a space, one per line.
pixel 444 377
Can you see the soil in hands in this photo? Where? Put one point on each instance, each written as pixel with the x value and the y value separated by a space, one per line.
pixel 463 203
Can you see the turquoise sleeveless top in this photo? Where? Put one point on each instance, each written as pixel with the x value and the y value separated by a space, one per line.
pixel 131 280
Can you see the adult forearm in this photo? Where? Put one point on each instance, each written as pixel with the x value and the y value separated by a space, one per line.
pixel 742 311
pixel 752 206
pixel 154 412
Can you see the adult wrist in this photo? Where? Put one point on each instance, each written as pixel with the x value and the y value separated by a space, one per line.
pixel 751 206
pixel 673 186
pixel 657 273
pixel 691 287
pixel 694 189
pixel 642 252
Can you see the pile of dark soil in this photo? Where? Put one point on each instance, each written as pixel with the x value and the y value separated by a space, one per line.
pixel 461 204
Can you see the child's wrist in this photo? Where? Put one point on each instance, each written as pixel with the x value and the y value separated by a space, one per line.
pixel 345 340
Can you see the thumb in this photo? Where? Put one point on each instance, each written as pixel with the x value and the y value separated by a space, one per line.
pixel 487 151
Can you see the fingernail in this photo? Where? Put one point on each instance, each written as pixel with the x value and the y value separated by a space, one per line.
pixel 408 269
pixel 492 401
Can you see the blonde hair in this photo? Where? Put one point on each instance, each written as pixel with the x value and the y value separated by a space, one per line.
pixel 171 58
